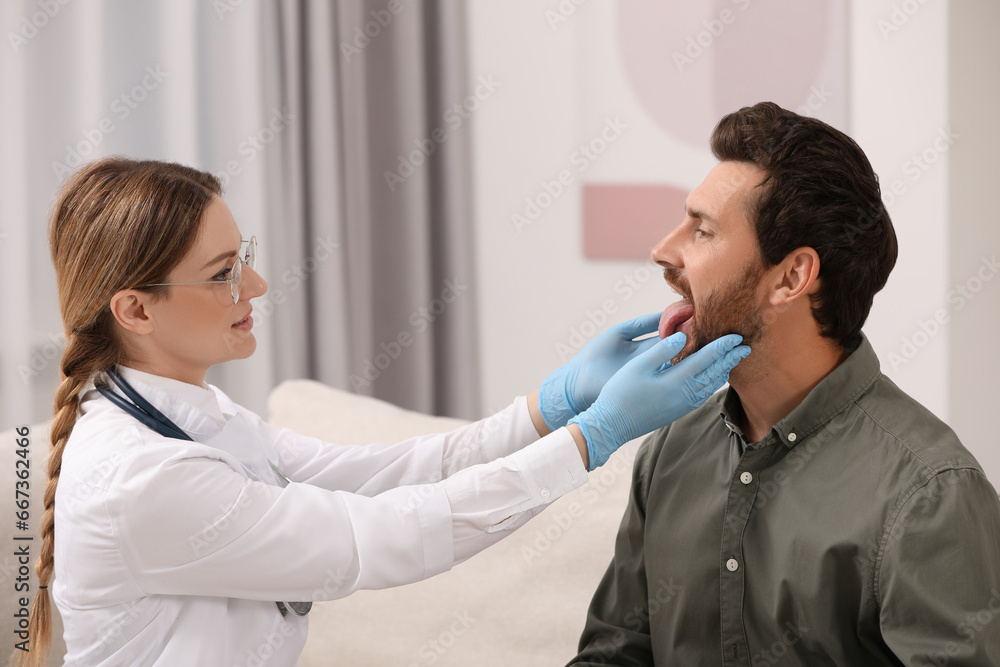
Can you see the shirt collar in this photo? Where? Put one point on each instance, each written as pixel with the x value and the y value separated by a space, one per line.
pixel 194 408
pixel 832 395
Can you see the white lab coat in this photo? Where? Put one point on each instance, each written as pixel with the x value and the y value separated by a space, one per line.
pixel 170 552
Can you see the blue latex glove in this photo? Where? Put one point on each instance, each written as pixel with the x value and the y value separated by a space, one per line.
pixel 647 393
pixel 575 386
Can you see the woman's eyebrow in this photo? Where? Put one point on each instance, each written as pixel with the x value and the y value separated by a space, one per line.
pixel 221 256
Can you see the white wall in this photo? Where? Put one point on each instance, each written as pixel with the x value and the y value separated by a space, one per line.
pixel 898 107
pixel 536 288
pixel 974 229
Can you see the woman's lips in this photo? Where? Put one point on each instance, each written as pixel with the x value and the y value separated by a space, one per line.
pixel 675 317
pixel 246 324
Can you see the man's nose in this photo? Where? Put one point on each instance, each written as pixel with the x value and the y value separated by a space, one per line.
pixel 667 253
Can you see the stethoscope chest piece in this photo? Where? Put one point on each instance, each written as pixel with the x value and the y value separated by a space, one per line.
pixel 298 608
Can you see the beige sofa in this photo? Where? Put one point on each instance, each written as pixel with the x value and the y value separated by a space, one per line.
pixel 521 602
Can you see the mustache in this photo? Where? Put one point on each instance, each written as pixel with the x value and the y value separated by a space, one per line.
pixel 676 279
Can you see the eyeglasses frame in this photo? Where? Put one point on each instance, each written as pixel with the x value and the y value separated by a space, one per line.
pixel 236 272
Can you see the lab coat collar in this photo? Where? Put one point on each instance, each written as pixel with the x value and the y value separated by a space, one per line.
pixel 196 409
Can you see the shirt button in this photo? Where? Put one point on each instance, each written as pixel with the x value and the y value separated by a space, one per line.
pixel 746 478
pixel 792 437
pixel 732 565
pixel 545 493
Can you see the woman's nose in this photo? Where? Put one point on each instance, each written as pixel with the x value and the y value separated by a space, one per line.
pixel 252 284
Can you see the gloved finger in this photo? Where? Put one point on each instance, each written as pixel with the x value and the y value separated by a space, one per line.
pixel 662 351
pixel 641 346
pixel 710 380
pixel 709 354
pixel 639 326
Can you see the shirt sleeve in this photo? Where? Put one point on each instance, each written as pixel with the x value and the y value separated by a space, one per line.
pixel 939 574
pixel 371 469
pixel 617 627
pixel 187 522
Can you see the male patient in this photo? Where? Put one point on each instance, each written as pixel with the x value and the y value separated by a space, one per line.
pixel 813 513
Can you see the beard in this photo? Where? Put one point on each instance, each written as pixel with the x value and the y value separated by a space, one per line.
pixel 730 308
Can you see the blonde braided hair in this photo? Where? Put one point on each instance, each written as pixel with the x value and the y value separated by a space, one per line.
pixel 116 224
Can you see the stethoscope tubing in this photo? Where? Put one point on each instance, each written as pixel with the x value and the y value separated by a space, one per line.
pixel 140 408
pixel 148 415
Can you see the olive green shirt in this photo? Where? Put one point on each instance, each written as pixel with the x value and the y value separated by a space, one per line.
pixel 859 531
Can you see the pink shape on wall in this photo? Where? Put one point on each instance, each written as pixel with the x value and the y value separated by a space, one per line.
pixel 626 221
pixel 689 63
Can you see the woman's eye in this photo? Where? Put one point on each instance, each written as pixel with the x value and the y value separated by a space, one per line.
pixel 223 275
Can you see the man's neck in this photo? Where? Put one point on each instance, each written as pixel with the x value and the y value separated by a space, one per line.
pixel 782 375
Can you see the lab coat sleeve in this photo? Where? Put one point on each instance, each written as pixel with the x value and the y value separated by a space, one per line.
pixel 491 501
pixel 373 469
pixel 186 522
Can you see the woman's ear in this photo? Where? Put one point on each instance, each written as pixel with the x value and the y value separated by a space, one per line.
pixel 799 276
pixel 129 308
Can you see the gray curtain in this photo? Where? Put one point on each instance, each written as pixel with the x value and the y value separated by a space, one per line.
pixel 372 283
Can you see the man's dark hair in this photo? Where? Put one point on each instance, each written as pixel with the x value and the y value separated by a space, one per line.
pixel 819 191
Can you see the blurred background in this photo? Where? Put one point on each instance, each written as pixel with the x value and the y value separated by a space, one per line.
pixel 451 198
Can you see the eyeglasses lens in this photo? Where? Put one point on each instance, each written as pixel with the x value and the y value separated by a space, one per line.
pixel 237 277
pixel 251 256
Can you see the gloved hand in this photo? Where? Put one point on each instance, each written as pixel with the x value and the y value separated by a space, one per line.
pixel 575 386
pixel 647 393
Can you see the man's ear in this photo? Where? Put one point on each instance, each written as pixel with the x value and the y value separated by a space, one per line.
pixel 129 307
pixel 798 276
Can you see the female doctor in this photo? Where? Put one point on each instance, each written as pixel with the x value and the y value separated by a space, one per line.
pixel 191 532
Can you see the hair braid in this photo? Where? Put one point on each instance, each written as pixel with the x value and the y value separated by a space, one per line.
pixel 80 361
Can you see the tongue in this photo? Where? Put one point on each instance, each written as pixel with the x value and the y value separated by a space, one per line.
pixel 675 315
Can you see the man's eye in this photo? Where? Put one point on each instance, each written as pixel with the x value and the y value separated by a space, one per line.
pixel 701 233
pixel 223 275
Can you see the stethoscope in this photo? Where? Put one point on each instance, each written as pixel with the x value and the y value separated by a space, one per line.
pixel 137 406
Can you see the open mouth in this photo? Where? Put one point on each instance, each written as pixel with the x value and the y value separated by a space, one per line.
pixel 676 317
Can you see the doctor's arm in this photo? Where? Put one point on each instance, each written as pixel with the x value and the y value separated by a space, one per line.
pixel 188 522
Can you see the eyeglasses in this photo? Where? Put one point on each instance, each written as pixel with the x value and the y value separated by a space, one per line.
pixel 235 273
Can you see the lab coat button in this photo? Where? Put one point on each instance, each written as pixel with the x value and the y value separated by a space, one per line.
pixel 732 565
pixel 746 478
pixel 545 493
